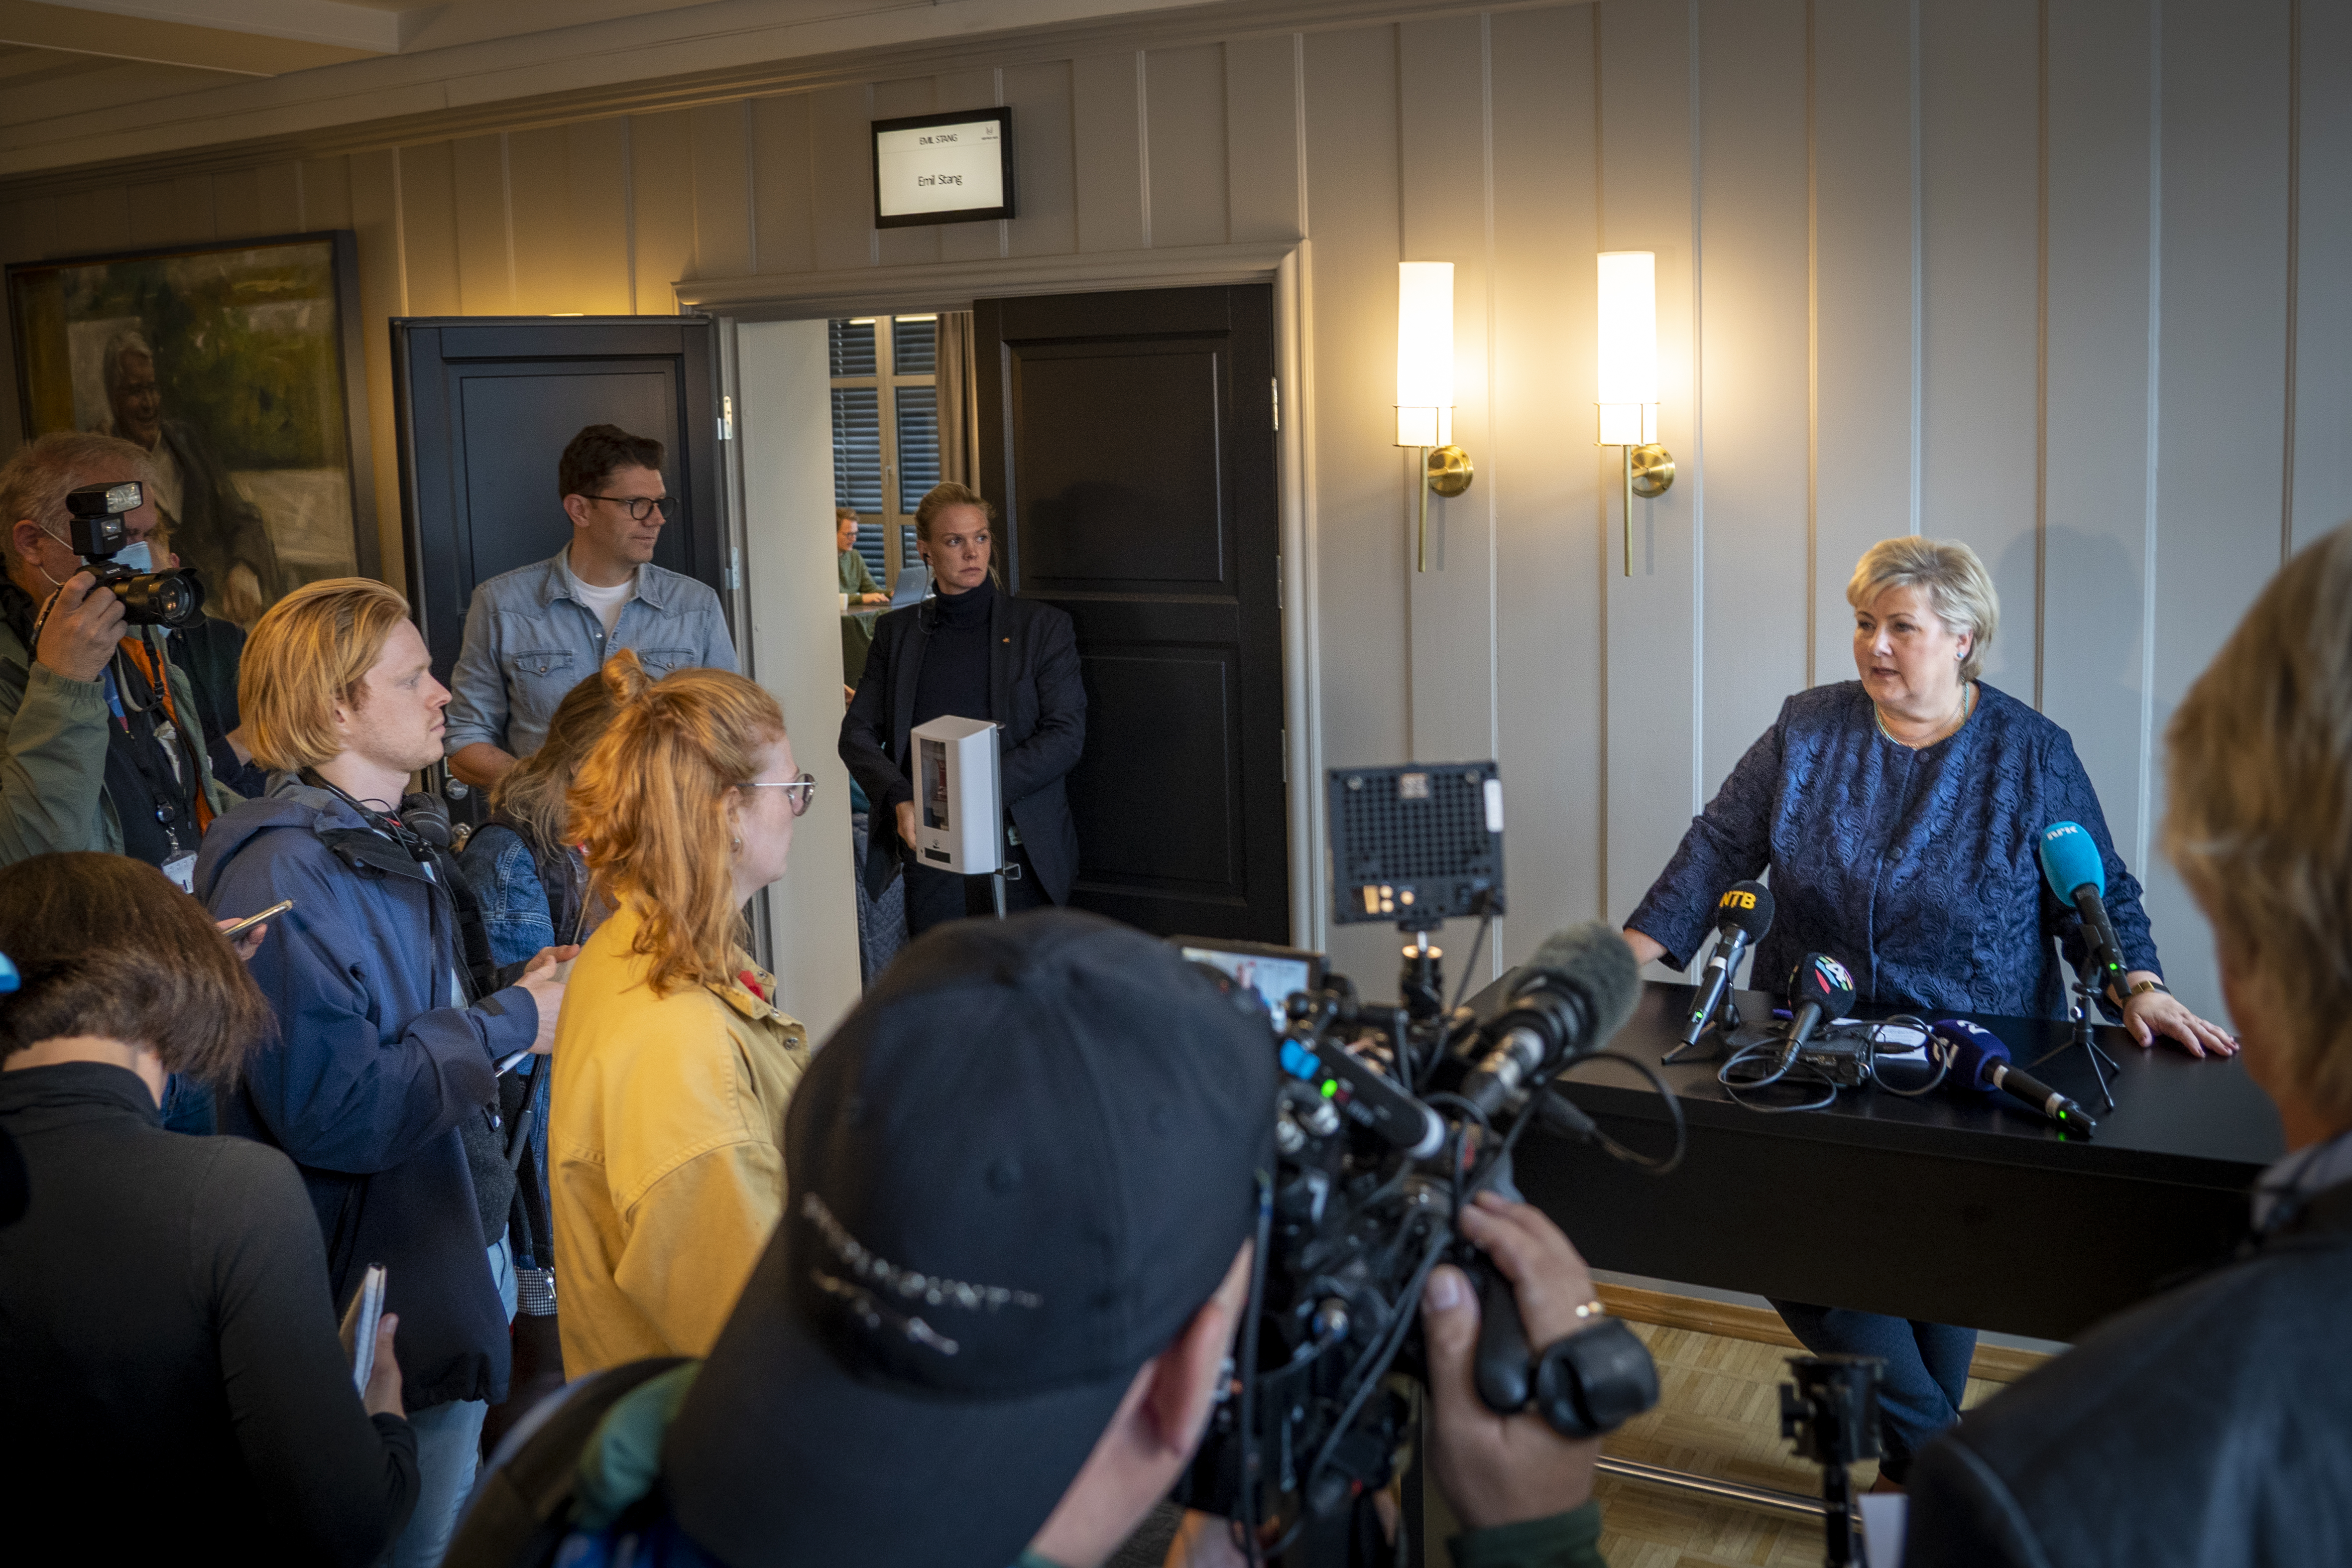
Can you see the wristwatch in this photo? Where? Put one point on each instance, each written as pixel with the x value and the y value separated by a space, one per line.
pixel 2140 985
pixel 1596 1379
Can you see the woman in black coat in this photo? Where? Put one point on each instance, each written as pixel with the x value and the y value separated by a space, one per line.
pixel 171 1382
pixel 970 651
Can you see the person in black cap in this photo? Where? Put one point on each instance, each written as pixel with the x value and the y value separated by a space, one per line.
pixel 993 1320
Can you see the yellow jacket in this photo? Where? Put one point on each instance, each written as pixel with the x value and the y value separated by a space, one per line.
pixel 666 1143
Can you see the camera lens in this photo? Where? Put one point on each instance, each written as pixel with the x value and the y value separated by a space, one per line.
pixel 160 599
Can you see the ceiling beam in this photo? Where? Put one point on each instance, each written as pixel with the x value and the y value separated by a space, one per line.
pixel 134 30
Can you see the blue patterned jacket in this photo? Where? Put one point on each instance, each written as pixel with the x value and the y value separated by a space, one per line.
pixel 1917 869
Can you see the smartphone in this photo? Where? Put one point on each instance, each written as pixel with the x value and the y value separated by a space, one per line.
pixel 360 1320
pixel 247 924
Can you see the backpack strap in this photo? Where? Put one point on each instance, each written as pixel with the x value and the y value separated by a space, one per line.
pixel 522 1507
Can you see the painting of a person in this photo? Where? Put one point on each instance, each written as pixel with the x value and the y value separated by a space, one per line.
pixel 209 524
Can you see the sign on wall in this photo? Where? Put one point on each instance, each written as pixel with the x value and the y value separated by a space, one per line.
pixel 943 168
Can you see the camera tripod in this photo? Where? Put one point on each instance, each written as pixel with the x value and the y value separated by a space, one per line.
pixel 1830 1413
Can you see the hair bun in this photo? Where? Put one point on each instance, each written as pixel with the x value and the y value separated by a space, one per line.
pixel 624 678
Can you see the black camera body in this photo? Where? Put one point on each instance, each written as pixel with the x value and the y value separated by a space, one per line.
pixel 1379 1139
pixel 96 532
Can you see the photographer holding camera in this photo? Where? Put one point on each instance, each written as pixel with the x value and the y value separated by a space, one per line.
pixel 996 1318
pixel 103 749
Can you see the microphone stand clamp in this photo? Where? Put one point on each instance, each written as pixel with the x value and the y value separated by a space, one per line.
pixel 2085 999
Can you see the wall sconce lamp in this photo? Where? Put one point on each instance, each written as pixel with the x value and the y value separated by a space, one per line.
pixel 1628 383
pixel 1424 405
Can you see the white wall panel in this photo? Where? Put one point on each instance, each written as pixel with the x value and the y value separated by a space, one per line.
pixel 2322 305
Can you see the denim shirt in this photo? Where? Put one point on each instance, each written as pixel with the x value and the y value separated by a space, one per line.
pixel 1918 869
pixel 529 638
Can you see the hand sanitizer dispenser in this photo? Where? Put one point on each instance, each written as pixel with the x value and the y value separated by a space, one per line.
pixel 958 805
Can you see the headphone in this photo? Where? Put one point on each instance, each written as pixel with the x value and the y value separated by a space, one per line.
pixel 419 823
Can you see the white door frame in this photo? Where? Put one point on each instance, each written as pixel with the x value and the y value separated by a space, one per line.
pixel 953 285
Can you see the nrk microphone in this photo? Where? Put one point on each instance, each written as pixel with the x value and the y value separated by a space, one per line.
pixel 2070 861
pixel 1820 991
pixel 1980 1062
pixel 1576 992
pixel 1742 916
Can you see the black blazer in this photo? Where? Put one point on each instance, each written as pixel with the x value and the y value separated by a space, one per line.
pixel 1038 701
pixel 2207 1428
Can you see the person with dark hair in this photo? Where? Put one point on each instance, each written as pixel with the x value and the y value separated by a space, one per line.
pixel 534 633
pixel 970 651
pixel 169 1367
pixel 383 1087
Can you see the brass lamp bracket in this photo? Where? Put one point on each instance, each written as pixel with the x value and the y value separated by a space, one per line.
pixel 1449 471
pixel 1653 471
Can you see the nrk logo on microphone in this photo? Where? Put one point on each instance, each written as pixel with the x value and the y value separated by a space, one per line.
pixel 1826 978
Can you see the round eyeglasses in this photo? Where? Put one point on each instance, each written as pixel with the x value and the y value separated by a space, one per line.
pixel 803 790
pixel 642 507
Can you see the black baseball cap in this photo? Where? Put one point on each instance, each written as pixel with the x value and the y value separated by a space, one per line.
pixel 1014 1174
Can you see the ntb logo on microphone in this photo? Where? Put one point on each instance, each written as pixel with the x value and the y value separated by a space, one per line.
pixel 1737 899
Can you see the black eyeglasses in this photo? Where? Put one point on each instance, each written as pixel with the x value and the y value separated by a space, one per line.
pixel 642 507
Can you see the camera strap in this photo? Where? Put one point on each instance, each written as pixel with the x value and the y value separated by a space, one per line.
pixel 155 669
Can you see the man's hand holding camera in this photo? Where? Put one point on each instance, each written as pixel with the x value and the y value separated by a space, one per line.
pixel 84 624
pixel 1502 1470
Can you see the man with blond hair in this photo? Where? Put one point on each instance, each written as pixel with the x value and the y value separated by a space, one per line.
pixel 383 1085
pixel 101 746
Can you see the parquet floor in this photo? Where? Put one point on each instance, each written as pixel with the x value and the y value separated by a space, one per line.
pixel 1718 1415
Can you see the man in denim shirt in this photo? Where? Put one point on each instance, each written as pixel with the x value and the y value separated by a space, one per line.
pixel 534 633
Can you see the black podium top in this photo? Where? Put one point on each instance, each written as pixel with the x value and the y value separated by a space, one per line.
pixel 1950 1208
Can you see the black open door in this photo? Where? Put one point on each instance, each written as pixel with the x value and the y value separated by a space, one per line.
pixel 485 405
pixel 1130 439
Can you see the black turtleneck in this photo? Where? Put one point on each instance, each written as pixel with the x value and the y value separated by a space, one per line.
pixel 164 1315
pixel 954 677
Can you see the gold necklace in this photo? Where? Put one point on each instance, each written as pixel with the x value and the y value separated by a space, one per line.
pixel 1966 706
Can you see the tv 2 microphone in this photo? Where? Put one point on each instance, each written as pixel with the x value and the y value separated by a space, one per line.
pixel 1979 1062
pixel 1742 916
pixel 1820 992
pixel 2072 865
pixel 1576 992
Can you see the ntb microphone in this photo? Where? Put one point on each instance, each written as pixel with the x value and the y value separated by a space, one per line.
pixel 1820 992
pixel 1742 916
pixel 2070 862
pixel 1979 1061
pixel 1575 993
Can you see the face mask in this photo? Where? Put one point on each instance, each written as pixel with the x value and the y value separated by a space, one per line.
pixel 138 557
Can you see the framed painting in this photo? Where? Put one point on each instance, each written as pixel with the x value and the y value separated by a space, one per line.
pixel 236 366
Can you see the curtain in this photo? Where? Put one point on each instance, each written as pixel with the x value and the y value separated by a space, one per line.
pixel 958 403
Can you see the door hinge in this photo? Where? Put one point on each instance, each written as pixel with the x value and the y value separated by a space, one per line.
pixel 734 569
pixel 727 418
pixel 1277 402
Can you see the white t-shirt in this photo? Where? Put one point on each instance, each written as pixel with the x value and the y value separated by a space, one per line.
pixel 606 602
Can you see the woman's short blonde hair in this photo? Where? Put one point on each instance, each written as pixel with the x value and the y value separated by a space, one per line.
pixel 2260 820
pixel 940 497
pixel 309 654
pixel 1955 582
pixel 651 809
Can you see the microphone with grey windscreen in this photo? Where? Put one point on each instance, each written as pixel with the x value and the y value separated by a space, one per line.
pixel 1572 996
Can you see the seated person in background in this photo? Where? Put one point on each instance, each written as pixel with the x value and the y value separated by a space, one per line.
pixel 536 632
pixel 857 587
pixel 1900 817
pixel 100 744
pixel 2213 1425
pixel 672 1064
pixel 995 1319
pixel 168 1369
pixel 383 1085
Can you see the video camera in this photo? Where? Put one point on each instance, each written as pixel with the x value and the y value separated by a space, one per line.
pixel 95 529
pixel 1390 1118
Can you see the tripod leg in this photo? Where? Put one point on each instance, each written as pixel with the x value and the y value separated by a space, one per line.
pixel 996 887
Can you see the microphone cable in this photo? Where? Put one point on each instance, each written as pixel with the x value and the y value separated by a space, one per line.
pixel 1794 1071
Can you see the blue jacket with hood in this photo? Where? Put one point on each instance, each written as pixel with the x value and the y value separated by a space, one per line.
pixel 374 1068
